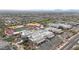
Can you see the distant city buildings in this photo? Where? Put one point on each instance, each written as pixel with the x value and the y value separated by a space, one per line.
pixel 29 32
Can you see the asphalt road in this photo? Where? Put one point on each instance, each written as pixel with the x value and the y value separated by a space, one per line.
pixel 72 41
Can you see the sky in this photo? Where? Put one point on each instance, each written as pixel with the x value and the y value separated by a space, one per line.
pixel 38 4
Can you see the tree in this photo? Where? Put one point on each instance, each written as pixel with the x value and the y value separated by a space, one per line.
pixel 2 27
